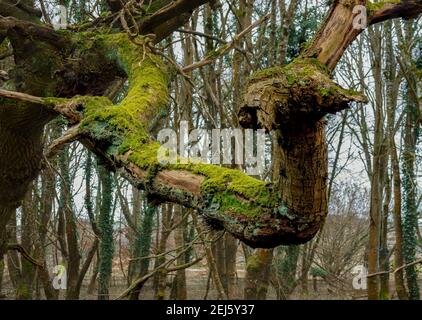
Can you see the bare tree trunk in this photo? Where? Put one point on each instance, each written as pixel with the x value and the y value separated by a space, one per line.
pixel 258 272
pixel 215 275
pixel 13 261
pixel 135 244
pixel 287 15
pixel 179 291
pixel 160 279
pixel 45 213
pixel 93 281
pixel 286 268
pixel 231 266
pixel 378 172
pixel 392 89
pixel 398 251
pixel 384 255
pixel 1 277
pixel 69 234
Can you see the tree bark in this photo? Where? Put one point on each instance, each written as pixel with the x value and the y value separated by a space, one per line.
pixel 398 228
pixel 257 274
pixel 105 224
pixel 279 221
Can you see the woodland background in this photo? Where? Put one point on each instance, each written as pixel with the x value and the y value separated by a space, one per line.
pixel 374 164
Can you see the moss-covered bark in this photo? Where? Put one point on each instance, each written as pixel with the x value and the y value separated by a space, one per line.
pixel 252 210
pixel 105 224
pixel 410 212
pixel 246 207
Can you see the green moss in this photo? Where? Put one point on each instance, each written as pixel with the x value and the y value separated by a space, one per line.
pixel 4 46
pixel 219 178
pixel 254 263
pixel 124 129
pixel 125 126
pixel 373 6
pixel 54 101
pixel 305 72
pixel 301 68
pixel 298 69
pixel 229 190
pixel 318 272
pixel 145 156
pixel 267 73
pixel 38 67
pixel 227 202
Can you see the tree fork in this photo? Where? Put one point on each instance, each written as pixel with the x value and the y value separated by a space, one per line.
pixel 295 98
pixel 246 207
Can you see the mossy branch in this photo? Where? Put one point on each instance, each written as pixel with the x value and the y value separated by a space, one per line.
pixel 302 91
pixel 250 209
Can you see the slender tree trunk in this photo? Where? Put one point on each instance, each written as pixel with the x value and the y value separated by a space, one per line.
pixel 105 224
pixel 286 270
pixel 258 270
pixel 45 212
pixel 144 243
pixel 410 223
pixel 67 229
pixel 384 253
pixel 398 229
pixel 378 172
pixel 231 266
pixel 93 281
pixel 179 291
pixel 134 238
pixel 28 235
pixel 216 277
pixel 392 86
pixel 13 261
pixel 1 276
pixel 160 279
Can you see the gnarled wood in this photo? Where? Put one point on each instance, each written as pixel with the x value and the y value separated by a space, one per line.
pixel 247 208
pixel 338 31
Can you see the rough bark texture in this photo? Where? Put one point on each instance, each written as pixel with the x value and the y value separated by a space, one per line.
pixel 105 224
pixel 257 281
pixel 299 95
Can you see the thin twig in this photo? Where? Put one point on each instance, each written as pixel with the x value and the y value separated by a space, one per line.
pixel 396 270
pixel 222 50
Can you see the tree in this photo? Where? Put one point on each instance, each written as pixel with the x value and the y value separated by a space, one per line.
pixel 292 99
pixel 105 225
pixel 410 223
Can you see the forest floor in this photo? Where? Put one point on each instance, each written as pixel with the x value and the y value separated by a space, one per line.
pixel 197 289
